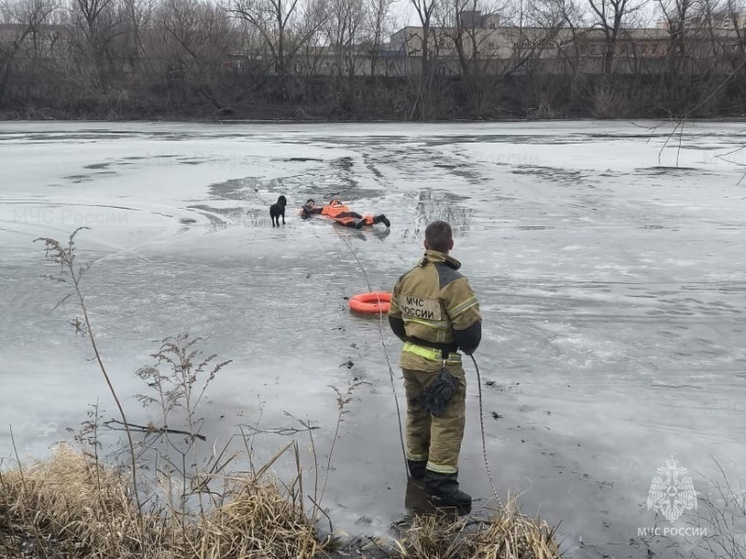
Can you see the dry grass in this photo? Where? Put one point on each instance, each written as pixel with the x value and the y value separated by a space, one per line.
pixel 256 521
pixel 507 535
pixel 70 507
pixel 514 535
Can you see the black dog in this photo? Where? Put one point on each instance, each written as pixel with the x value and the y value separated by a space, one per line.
pixel 278 210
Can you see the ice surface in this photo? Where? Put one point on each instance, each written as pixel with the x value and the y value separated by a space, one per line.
pixel 607 258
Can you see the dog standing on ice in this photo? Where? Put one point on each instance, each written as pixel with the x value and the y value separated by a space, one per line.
pixel 277 211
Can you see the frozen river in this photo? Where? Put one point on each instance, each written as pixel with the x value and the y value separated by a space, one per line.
pixel 607 258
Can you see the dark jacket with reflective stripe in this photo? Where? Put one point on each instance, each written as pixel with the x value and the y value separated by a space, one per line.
pixel 433 305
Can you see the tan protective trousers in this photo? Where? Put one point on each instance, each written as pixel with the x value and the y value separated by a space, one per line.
pixel 435 439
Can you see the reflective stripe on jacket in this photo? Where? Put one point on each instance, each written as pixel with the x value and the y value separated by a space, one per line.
pixel 431 353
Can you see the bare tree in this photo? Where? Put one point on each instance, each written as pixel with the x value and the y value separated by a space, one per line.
pixel 610 16
pixel 568 18
pixel 24 20
pixel 470 35
pixel 250 45
pixel 197 40
pixel 465 35
pixel 726 25
pixel 136 16
pixel 344 34
pixel 344 39
pixel 285 25
pixel 94 26
pixel 563 25
pixel 425 11
pixel 377 13
pixel 680 16
pixel 735 15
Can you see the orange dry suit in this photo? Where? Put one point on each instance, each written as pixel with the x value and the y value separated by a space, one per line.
pixel 342 214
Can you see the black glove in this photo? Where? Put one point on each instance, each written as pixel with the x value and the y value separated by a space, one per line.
pixel 435 397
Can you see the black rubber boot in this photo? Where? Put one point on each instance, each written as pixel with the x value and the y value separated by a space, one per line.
pixel 382 219
pixel 444 489
pixel 416 469
pixel 359 223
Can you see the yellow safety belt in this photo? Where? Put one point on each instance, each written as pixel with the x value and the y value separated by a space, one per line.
pixel 432 353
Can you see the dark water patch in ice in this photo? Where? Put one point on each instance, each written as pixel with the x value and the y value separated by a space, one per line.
pixel 343 163
pixel 88 135
pixel 659 384
pixel 97 166
pixel 667 170
pixel 343 169
pixel 622 136
pixel 73 137
pixel 411 160
pixel 173 136
pixel 461 171
pixel 77 179
pixel 371 167
pixel 298 159
pixel 434 141
pixel 139 157
pixel 338 180
pixel 355 141
pixel 719 286
pixel 192 161
pixel 565 176
pixel 703 147
pixel 11 137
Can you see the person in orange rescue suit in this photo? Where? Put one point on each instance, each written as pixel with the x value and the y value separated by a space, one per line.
pixel 342 214
pixel 435 312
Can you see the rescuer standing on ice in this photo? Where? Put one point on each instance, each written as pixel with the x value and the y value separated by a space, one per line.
pixel 435 313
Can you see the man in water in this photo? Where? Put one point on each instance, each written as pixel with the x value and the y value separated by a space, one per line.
pixel 342 214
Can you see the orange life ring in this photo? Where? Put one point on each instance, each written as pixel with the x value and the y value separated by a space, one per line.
pixel 371 303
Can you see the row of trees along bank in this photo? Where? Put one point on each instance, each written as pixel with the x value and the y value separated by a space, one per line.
pixel 332 59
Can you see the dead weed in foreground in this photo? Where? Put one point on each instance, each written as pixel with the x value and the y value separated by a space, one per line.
pixel 508 535
pixel 70 507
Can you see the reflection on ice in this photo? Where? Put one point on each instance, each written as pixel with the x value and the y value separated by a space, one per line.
pixel 445 206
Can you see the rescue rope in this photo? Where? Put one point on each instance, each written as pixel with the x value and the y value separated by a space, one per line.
pixel 481 428
pixel 388 359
